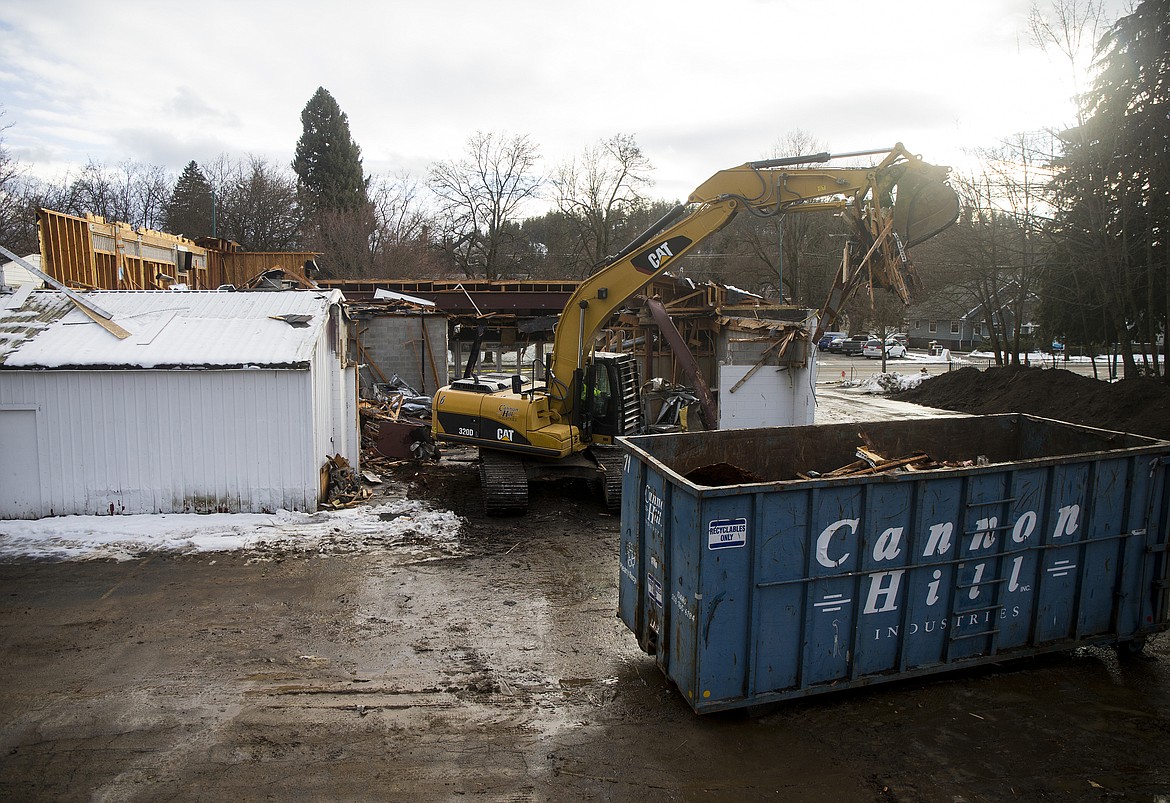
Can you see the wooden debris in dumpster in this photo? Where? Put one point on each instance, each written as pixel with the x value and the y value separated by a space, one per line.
pixel 871 462
pixel 868 462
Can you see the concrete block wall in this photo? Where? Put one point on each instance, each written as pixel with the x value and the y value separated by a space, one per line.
pixel 395 343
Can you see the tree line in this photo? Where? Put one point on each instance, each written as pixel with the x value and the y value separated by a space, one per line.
pixel 1063 227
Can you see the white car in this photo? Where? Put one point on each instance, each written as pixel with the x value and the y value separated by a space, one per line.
pixel 873 349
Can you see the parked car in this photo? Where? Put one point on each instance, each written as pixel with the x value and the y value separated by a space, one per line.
pixel 873 349
pixel 854 345
pixel 835 344
pixel 828 337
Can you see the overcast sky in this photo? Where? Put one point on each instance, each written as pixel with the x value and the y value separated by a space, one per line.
pixel 701 85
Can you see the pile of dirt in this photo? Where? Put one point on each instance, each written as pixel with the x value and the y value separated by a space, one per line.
pixel 1140 406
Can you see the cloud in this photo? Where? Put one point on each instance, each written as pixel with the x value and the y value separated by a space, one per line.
pixel 702 87
pixel 188 104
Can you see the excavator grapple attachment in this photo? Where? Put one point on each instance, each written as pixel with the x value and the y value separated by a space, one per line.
pixel 924 205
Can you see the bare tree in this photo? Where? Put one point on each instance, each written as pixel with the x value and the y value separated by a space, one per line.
pixel 256 203
pixel 793 254
pixel 14 217
pixel 481 197
pixel 599 194
pixel 401 241
pixel 1072 27
pixel 998 244
pixel 343 237
pixel 133 192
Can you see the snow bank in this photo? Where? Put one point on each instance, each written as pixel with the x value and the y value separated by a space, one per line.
pixel 405 525
pixel 889 382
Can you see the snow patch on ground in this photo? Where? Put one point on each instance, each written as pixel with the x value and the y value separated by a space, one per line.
pixel 408 525
pixel 892 382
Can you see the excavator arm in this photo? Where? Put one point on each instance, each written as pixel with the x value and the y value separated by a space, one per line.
pixel 899 202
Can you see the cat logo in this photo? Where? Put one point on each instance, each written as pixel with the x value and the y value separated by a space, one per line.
pixel 656 257
pixel 505 434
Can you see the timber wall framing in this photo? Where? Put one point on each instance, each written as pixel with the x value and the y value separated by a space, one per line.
pixel 90 253
pixel 93 254
pixel 240 267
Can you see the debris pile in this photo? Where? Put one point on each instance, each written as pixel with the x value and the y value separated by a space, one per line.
pixel 390 435
pixel 871 462
pixel 404 399
pixel 343 487
pixel 868 462
pixel 676 402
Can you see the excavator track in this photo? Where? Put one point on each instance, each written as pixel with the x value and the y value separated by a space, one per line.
pixel 612 460
pixel 505 483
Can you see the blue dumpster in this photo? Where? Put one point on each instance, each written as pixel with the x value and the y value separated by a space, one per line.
pixel 1022 535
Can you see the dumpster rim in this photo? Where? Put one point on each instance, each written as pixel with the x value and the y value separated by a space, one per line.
pixel 1152 446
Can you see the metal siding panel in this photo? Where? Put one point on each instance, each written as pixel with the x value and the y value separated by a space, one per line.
pixel 678 661
pixel 1138 576
pixel 1103 544
pixel 20 461
pixel 630 538
pixel 934 548
pixel 136 441
pixel 779 589
pixel 884 557
pixel 1061 523
pixel 831 605
pixel 682 577
pixel 723 619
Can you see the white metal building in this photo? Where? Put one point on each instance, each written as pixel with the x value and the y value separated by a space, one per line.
pixel 217 401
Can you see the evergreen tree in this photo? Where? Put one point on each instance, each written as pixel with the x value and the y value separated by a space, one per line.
pixel 191 209
pixel 1112 189
pixel 328 162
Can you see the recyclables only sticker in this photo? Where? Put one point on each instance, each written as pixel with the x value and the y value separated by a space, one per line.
pixel 726 533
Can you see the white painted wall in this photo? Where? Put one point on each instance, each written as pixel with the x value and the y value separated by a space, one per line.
pixel 136 441
pixel 770 398
pixel 336 428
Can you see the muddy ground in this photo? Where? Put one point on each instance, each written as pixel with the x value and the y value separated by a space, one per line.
pixel 494 668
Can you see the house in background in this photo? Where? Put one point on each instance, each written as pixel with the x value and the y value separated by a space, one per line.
pixel 13 274
pixel 958 321
pixel 216 401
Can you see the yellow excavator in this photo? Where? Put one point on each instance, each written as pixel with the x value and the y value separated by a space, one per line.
pixel 565 425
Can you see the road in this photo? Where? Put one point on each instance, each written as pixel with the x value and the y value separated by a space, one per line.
pixel 835 368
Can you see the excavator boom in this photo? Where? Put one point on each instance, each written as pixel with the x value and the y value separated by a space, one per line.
pixel 900 201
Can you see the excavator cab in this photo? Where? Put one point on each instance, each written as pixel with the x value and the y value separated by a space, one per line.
pixel 610 402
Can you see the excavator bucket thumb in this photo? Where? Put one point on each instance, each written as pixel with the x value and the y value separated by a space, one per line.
pixel 925 205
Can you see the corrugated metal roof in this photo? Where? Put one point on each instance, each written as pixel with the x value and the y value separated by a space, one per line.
pixel 167 328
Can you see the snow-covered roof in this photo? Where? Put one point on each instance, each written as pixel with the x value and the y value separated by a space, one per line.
pixel 168 329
